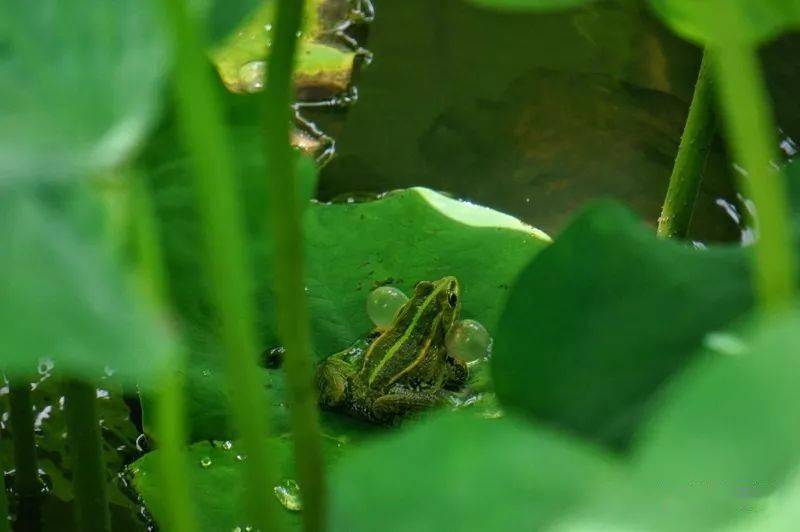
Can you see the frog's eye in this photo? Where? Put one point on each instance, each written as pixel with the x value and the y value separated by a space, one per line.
pixel 452 299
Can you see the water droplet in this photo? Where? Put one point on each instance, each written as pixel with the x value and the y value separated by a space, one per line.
pixel 206 373
pixel 468 339
pixel 227 445
pixel 241 457
pixel 251 75
pixel 205 462
pixel 383 303
pixel 288 493
pixel 725 344
pixel 268 27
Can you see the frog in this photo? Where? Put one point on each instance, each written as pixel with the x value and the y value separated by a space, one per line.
pixel 401 369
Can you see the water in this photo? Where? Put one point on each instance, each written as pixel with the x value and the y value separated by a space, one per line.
pixel 533 115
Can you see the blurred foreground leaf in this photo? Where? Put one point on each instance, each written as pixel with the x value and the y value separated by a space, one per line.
pixel 458 472
pixel 601 318
pixel 324 63
pixel 79 84
pixel 723 22
pixel 63 298
pixel 724 446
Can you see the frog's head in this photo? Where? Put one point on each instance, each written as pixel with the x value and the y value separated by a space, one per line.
pixel 446 294
pixel 416 334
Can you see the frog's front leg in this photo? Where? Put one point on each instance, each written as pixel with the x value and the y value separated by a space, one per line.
pixel 456 373
pixel 332 378
pixel 397 404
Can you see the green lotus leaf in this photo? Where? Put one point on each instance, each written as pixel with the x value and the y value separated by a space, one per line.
pixel 215 478
pixel 324 65
pixel 486 475
pixel 600 319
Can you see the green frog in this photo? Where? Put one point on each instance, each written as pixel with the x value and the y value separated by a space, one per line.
pixel 403 368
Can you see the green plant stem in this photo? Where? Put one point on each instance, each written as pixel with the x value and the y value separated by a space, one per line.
pixel 204 134
pixel 286 222
pixel 170 411
pixel 684 183
pixel 751 133
pixel 83 437
pixel 4 523
pixel 26 476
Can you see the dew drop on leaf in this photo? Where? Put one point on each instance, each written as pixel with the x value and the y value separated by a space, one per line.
pixel 205 462
pixel 468 340
pixel 288 493
pixel 383 303
pixel 252 75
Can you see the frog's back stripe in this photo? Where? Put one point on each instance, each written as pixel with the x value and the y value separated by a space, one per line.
pixel 403 346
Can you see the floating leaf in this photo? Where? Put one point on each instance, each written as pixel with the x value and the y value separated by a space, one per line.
pixel 398 240
pixel 215 476
pixel 64 298
pixel 79 84
pixel 324 65
pixel 600 319
pixel 457 472
pixel 724 22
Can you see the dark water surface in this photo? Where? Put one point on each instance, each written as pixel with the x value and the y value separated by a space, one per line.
pixel 533 115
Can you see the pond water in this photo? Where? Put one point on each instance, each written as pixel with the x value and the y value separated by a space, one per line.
pixel 534 115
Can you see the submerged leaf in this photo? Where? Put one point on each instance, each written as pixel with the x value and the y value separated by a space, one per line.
pixel 600 319
pixel 79 84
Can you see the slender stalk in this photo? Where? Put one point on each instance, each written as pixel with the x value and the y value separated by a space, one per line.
pixel 286 223
pixel 170 412
pixel 205 136
pixel 26 477
pixel 83 437
pixel 684 184
pixel 751 133
pixel 4 523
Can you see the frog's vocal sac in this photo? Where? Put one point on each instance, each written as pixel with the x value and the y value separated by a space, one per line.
pixel 402 369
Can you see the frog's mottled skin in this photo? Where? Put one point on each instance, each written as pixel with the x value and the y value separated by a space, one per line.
pixel 402 369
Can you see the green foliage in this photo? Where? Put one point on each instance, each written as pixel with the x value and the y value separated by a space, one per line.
pixel 531 5
pixel 723 22
pixel 65 298
pixel 77 92
pixel 597 321
pixel 216 475
pixel 458 472
pixel 721 449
